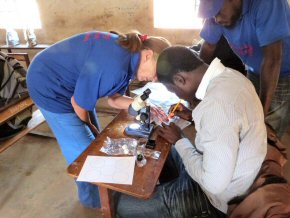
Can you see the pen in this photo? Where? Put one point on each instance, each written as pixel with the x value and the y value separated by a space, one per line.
pixel 174 109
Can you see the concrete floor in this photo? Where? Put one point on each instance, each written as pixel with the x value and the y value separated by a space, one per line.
pixel 34 182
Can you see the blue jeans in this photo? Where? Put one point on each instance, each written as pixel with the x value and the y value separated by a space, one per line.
pixel 181 197
pixel 73 137
pixel 279 113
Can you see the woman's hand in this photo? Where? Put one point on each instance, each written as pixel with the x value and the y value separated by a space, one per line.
pixel 170 133
pixel 181 111
pixel 93 129
pixel 84 116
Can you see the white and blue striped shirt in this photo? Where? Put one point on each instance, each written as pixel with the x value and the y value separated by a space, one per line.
pixel 231 135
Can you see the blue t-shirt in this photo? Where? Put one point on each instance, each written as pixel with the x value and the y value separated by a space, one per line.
pixel 89 66
pixel 261 23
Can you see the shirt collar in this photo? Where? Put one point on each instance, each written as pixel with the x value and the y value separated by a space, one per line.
pixel 214 69
pixel 246 6
pixel 135 59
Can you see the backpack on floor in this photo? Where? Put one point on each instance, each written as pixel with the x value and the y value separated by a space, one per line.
pixel 12 90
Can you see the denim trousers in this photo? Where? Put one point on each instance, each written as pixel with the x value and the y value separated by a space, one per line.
pixel 73 137
pixel 279 113
pixel 180 197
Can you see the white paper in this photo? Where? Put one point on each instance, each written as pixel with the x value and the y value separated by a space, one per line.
pixel 181 123
pixel 159 95
pixel 119 170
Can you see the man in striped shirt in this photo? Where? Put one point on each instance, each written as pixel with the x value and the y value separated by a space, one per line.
pixel 230 143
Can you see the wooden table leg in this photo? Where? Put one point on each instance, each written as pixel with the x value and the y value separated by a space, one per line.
pixel 107 203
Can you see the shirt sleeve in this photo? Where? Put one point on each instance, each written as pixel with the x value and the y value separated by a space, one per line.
pixel 95 82
pixel 123 89
pixel 271 21
pixel 113 82
pixel 211 32
pixel 219 140
pixel 87 87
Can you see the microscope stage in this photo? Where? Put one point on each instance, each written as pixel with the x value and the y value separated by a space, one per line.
pixel 138 130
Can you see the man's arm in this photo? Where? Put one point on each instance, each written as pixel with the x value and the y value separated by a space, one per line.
pixel 83 115
pixel 207 51
pixel 213 168
pixel 270 71
pixel 218 140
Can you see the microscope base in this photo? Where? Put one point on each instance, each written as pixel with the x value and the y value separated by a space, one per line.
pixel 139 130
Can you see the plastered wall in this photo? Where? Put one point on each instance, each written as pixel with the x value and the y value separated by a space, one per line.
pixel 63 18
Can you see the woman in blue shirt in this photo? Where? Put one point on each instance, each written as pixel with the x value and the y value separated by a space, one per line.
pixel 66 80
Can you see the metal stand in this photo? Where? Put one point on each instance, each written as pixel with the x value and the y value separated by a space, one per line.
pixel 142 129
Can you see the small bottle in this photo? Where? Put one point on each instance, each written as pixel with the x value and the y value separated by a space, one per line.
pixel 141 160
pixel 30 37
pixel 12 38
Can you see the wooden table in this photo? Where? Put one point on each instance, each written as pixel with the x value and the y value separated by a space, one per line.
pixel 145 178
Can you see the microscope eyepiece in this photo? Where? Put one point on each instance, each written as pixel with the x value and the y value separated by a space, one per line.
pixel 145 94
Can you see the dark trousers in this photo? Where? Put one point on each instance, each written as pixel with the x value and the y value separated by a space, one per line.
pixel 279 114
pixel 181 197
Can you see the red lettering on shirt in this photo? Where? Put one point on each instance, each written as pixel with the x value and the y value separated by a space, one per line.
pixel 244 50
pixel 248 50
pixel 87 37
pixel 106 36
pixel 97 35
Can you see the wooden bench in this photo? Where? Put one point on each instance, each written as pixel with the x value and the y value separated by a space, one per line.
pixel 22 57
pixel 12 111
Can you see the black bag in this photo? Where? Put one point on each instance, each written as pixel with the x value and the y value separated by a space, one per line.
pixel 12 90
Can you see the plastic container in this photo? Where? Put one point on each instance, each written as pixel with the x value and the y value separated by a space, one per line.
pixel 140 160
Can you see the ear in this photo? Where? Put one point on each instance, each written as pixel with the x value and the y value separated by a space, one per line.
pixel 178 79
pixel 148 54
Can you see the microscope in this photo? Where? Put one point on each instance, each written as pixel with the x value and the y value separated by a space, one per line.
pixel 141 110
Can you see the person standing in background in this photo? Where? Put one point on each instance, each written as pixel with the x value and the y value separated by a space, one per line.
pixel 259 33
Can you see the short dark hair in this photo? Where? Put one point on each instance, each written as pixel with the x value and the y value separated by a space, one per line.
pixel 176 59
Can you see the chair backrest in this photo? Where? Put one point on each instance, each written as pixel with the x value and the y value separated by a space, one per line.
pixel 21 57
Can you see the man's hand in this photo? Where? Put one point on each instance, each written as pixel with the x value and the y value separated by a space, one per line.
pixel 207 52
pixel 181 111
pixel 170 133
